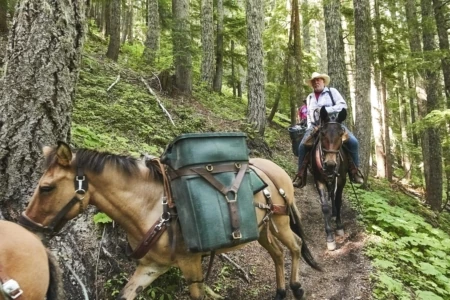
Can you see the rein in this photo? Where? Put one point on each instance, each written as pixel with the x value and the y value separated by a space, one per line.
pixel 81 186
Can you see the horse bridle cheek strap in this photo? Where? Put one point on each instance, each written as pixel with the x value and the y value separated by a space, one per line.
pixel 81 187
pixel 9 286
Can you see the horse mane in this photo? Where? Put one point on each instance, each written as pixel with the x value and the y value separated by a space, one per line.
pixel 95 161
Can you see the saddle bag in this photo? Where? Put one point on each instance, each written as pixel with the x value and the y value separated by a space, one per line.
pixel 213 189
pixel 296 134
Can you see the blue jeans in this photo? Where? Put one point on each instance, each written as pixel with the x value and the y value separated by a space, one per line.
pixel 352 146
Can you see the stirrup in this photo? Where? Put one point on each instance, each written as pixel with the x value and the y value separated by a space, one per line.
pixel 358 177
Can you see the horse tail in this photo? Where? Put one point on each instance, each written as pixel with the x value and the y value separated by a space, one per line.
pixel 296 227
pixel 55 289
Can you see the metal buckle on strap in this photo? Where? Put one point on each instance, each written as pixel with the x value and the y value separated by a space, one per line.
pixel 231 200
pixel 12 289
pixel 80 180
pixel 236 234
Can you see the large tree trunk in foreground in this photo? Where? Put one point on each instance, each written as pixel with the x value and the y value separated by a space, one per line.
pixel 43 60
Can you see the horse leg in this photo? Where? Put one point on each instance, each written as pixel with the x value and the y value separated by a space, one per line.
pixel 288 239
pixel 142 277
pixel 338 200
pixel 331 244
pixel 274 248
pixel 192 271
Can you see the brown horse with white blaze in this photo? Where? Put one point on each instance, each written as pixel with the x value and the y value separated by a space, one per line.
pixel 27 269
pixel 132 192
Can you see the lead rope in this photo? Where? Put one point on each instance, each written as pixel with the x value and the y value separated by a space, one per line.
pixel 358 203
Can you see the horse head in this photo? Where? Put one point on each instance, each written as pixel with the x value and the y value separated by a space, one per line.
pixel 331 136
pixel 61 194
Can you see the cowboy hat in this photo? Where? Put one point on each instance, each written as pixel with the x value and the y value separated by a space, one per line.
pixel 315 75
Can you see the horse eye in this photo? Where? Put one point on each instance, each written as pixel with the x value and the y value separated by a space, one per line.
pixel 46 189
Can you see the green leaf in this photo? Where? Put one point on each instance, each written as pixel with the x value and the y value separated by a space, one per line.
pixel 102 218
pixel 429 269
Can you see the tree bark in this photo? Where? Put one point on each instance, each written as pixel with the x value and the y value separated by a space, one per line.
pixel 207 22
pixel 363 71
pixel 114 34
pixel 181 35
pixel 153 33
pixel 217 84
pixel 256 111
pixel 433 164
pixel 43 59
pixel 335 49
pixel 3 30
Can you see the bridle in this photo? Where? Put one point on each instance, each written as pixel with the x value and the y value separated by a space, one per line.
pixel 329 174
pixel 81 187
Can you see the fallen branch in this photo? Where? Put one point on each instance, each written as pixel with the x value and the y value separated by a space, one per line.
pixel 223 256
pixel 157 99
pixel 114 83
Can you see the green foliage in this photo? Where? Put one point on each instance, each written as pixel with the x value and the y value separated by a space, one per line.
pixel 410 254
pixel 163 288
pixel 102 218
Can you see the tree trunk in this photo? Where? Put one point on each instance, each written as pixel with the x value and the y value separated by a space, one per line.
pixel 153 32
pixel 256 111
pixel 382 87
pixel 335 49
pixel 217 85
pixel 181 36
pixel 299 96
pixel 3 29
pixel 306 26
pixel 433 166
pixel 406 161
pixel 377 126
pixel 207 22
pixel 36 107
pixel 362 82
pixel 233 69
pixel 114 34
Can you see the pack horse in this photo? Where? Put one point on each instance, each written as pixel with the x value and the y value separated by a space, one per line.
pixel 136 194
pixel 27 269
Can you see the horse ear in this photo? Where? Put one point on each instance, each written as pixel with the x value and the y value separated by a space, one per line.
pixel 63 154
pixel 342 116
pixel 324 114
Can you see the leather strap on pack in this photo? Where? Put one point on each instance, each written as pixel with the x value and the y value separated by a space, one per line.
pixel 230 194
pixel 9 286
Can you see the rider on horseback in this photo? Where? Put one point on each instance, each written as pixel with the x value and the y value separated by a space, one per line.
pixel 334 103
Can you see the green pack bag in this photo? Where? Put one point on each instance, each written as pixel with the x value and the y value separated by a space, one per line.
pixel 202 167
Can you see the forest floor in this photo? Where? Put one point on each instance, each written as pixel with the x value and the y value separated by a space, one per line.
pixel 345 272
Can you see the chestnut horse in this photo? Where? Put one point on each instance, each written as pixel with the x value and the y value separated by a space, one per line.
pixel 329 167
pixel 27 269
pixel 132 192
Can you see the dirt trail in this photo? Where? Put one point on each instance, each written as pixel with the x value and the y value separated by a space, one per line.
pixel 345 273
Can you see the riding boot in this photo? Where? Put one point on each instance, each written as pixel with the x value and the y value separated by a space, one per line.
pixel 354 173
pixel 300 178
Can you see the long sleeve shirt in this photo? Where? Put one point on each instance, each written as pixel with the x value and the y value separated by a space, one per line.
pixel 324 100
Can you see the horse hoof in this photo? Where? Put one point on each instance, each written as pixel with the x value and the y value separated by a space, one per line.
pixel 331 245
pixel 280 295
pixel 298 294
pixel 340 232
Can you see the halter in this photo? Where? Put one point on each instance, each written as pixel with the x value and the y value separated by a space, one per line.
pixel 331 176
pixel 81 186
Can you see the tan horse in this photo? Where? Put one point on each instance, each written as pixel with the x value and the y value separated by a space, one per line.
pixel 131 193
pixel 27 269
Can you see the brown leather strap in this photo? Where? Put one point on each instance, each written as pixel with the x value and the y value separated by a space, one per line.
pixel 17 293
pixel 148 241
pixel 167 191
pixel 227 192
pixel 213 169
